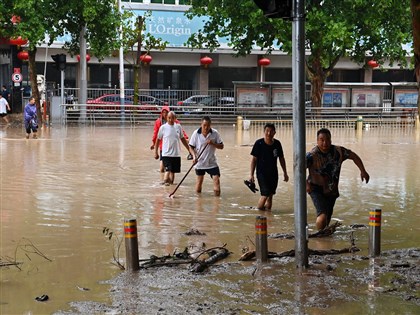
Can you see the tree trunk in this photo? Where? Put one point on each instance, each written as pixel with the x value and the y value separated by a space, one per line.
pixel 415 11
pixel 34 84
pixel 137 65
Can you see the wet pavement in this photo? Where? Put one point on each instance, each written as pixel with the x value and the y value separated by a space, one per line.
pixel 58 193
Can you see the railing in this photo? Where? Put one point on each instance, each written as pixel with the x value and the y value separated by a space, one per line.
pixel 133 114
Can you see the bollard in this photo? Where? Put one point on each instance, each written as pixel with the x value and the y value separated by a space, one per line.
pixel 239 122
pixel 359 123
pixel 417 122
pixel 261 247
pixel 131 245
pixel 375 232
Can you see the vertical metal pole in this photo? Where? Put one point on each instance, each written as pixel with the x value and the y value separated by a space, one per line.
pixel 299 143
pixel 261 247
pixel 375 232
pixel 83 74
pixel 62 87
pixel 131 245
pixel 121 69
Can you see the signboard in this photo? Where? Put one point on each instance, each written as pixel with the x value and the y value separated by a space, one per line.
pixel 282 97
pixel 252 97
pixel 335 98
pixel 17 77
pixel 405 98
pixel 366 98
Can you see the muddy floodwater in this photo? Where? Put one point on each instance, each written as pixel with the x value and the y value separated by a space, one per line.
pixel 60 191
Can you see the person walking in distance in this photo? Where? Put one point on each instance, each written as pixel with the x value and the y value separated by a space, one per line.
pixel 4 107
pixel 265 153
pixel 171 135
pixel 30 117
pixel 204 142
pixel 324 164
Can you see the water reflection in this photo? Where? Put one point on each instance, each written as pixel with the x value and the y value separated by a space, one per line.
pixel 61 190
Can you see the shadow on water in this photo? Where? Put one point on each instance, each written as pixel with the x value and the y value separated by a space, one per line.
pixel 61 190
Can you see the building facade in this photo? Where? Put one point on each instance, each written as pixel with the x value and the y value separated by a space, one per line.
pixel 179 67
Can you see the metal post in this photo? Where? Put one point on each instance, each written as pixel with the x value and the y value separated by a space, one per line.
pixel 299 143
pixel 62 87
pixel 375 232
pixel 121 70
pixel 261 247
pixel 83 74
pixel 239 122
pixel 131 245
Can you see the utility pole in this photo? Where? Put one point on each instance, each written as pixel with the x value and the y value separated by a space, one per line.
pixel 294 10
pixel 121 68
pixel 83 74
pixel 299 133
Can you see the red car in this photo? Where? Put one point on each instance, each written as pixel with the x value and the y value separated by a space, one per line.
pixel 106 102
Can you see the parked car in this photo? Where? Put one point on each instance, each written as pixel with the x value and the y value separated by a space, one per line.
pixel 192 103
pixel 146 102
pixel 214 104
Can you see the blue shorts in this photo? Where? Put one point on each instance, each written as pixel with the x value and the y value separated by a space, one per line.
pixel 323 203
pixel 172 164
pixel 215 171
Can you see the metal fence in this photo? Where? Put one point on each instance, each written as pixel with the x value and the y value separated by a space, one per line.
pixel 345 102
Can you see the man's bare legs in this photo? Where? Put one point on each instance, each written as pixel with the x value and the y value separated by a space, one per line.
pixel 199 183
pixel 265 203
pixel 216 185
pixel 169 178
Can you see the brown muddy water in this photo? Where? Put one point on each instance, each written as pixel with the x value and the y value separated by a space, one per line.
pixel 58 192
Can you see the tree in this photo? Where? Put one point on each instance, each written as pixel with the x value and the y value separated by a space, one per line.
pixel 359 29
pixel 134 41
pixel 415 11
pixel 54 18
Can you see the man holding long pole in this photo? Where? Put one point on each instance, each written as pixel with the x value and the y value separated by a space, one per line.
pixel 206 140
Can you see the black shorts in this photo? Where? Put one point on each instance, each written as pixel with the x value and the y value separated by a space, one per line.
pixel 268 185
pixel 172 164
pixel 3 114
pixel 215 171
pixel 323 203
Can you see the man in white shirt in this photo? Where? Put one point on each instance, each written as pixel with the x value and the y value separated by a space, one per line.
pixel 171 134
pixel 205 140
pixel 4 107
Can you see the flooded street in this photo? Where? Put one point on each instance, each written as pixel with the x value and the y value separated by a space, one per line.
pixel 60 191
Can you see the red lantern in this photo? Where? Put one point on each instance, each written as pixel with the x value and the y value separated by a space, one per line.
pixel 264 62
pixel 19 41
pixel 373 63
pixel 87 58
pixel 23 55
pixel 205 61
pixel 145 58
pixel 15 19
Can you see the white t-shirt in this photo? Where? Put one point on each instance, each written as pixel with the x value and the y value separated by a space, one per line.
pixel 3 105
pixel 208 158
pixel 171 135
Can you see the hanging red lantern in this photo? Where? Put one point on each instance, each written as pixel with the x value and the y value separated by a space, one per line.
pixel 15 19
pixel 19 41
pixel 205 61
pixel 87 58
pixel 145 58
pixel 264 62
pixel 23 55
pixel 373 63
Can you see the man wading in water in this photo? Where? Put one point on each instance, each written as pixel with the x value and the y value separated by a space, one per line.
pixel 324 164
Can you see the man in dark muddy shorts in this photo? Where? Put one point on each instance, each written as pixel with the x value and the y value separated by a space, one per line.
pixel 265 153
pixel 324 164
